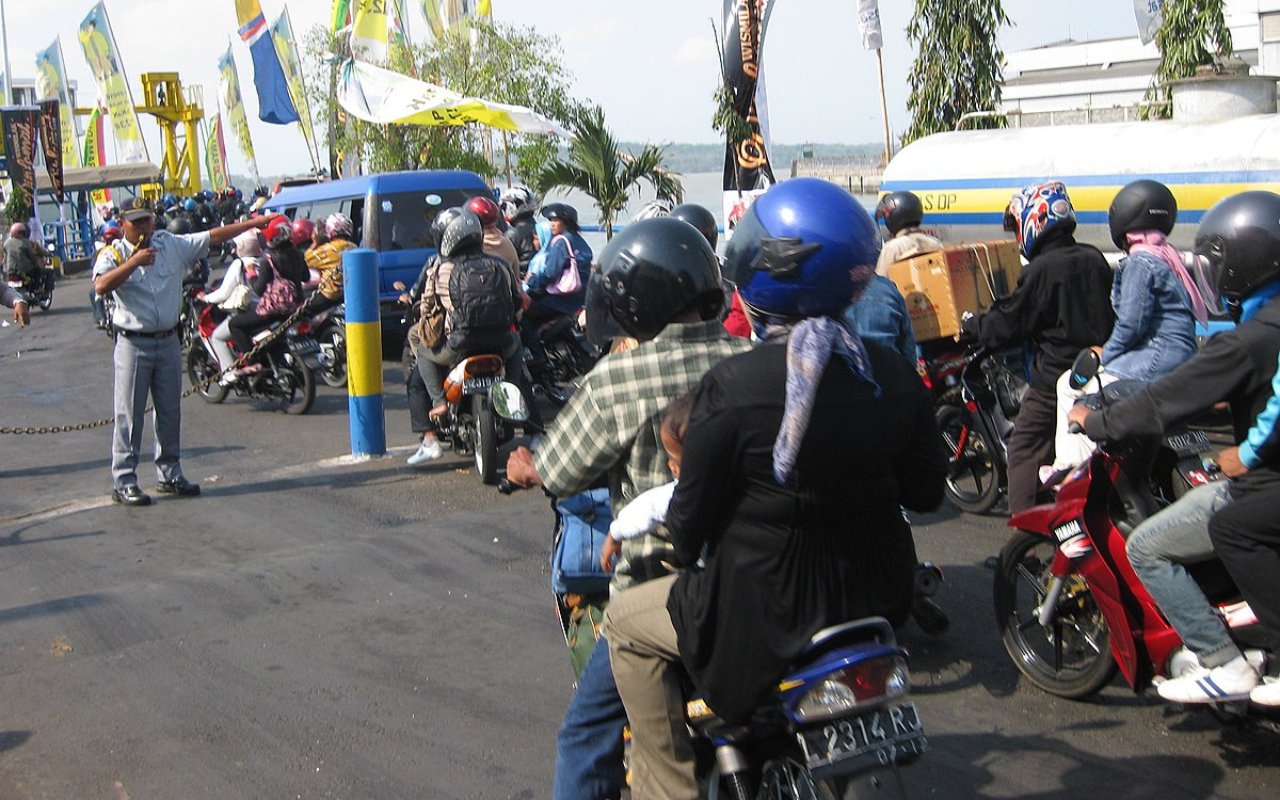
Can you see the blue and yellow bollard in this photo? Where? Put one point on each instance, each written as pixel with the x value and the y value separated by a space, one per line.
pixel 364 353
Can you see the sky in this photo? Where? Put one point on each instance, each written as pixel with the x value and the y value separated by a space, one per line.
pixel 651 65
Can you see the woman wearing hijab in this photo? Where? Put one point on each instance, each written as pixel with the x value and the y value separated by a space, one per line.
pixel 798 458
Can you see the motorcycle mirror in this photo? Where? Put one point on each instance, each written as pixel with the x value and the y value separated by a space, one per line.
pixel 1084 368
pixel 508 402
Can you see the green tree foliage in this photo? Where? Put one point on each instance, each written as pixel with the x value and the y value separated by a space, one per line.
pixel 958 63
pixel 17 209
pixel 500 62
pixel 1193 33
pixel 600 169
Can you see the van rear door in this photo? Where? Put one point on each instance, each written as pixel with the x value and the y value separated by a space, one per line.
pixel 400 231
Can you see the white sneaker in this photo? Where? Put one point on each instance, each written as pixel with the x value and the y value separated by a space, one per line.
pixel 1231 681
pixel 229 377
pixel 1266 693
pixel 426 454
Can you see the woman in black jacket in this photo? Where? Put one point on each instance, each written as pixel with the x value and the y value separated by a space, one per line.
pixel 797 459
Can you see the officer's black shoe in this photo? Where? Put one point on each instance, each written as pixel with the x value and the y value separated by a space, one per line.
pixel 179 486
pixel 131 495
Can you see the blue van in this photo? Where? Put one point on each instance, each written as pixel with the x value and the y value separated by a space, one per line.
pixel 392 213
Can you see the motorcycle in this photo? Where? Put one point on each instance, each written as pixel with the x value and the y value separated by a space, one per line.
pixel 330 331
pixel 975 415
pixel 1070 608
pixel 471 423
pixel 36 287
pixel 569 356
pixel 288 363
pixel 839 725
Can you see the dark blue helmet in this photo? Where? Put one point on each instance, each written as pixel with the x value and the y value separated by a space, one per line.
pixel 189 205
pixel 805 248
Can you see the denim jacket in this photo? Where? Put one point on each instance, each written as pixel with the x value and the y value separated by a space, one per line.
pixel 1154 330
pixel 880 315
pixel 547 270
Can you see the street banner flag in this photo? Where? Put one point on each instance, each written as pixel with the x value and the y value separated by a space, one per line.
pixel 443 15
pixel 287 51
pixel 747 169
pixel 229 94
pixel 99 45
pixel 369 31
pixel 274 104
pixel 51 145
pixel 1150 16
pixel 21 127
pixel 94 154
pixel 51 84
pixel 869 24
pixel 341 16
pixel 215 155
pixel 381 96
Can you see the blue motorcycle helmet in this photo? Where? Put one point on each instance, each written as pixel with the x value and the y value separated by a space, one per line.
pixel 805 248
pixel 189 205
pixel 1037 213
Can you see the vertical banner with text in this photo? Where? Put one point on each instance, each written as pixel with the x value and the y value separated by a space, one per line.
pixel 747 169
pixel 291 63
pixel 215 155
pixel 95 154
pixel 51 84
pixel 21 127
pixel 51 145
pixel 233 102
pixel 99 45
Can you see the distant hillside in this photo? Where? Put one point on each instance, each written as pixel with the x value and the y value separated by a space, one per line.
pixel 690 158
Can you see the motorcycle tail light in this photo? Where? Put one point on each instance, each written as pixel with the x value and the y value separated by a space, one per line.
pixel 854 687
pixel 482 366
pixel 303 328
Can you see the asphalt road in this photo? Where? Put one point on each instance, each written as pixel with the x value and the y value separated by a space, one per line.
pixel 314 628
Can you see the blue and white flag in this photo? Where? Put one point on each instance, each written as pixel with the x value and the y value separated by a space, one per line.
pixel 1150 16
pixel 869 24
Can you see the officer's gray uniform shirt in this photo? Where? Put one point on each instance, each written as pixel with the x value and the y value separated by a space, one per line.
pixel 151 299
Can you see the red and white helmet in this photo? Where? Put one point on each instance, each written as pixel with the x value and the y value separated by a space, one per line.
pixel 279 231
pixel 485 210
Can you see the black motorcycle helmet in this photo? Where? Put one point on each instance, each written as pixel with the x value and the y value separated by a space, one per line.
pixel 463 235
pixel 441 222
pixel 1144 205
pixel 1240 239
pixel 652 272
pixel 700 218
pixel 179 225
pixel 898 210
pixel 562 211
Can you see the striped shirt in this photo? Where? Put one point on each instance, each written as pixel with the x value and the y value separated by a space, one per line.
pixel 611 425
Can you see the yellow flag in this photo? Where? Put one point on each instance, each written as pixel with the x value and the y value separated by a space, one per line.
pixel 369 31
pixel 103 56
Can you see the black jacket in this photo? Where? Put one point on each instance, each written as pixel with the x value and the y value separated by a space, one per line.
pixel 1062 305
pixel 524 235
pixel 782 562
pixel 1235 365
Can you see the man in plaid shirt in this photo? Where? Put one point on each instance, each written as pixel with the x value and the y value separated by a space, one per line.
pixel 661 282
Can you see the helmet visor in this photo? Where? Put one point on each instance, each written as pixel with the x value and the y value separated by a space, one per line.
pixel 602 328
pixel 1208 264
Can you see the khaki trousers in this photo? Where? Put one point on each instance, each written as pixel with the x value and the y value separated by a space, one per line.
pixel 646 667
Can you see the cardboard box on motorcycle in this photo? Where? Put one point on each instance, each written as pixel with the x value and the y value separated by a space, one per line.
pixel 940 286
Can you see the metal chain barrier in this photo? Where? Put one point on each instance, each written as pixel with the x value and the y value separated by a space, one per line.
pixel 241 361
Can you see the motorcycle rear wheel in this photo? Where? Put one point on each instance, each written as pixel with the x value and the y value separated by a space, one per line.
pixel 973 477
pixel 1071 657
pixel 202 371
pixel 299 401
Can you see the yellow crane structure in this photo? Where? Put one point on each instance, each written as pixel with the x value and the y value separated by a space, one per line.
pixel 178 111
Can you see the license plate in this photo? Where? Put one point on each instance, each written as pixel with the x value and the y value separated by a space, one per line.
pixel 478 385
pixel 872 739
pixel 1188 443
pixel 304 346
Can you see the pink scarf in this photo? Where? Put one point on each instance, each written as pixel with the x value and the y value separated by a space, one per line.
pixel 1155 243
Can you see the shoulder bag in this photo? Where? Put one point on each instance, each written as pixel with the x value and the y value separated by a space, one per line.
pixel 569 282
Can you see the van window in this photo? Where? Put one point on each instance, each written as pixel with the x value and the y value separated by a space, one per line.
pixel 354 208
pixel 321 209
pixel 404 219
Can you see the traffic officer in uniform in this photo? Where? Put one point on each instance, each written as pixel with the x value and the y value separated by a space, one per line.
pixel 144 270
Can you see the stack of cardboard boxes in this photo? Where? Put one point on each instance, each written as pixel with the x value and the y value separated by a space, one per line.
pixel 940 287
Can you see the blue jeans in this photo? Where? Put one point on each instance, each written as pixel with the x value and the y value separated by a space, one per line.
pixel 589 745
pixel 1158 549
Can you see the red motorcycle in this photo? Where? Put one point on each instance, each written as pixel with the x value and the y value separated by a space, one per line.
pixel 1069 606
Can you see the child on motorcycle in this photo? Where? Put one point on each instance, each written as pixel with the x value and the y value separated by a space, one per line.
pixel 648 512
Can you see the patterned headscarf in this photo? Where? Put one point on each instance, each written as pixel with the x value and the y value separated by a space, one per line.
pixel 1038 209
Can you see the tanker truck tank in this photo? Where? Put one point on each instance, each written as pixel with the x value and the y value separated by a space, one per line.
pixel 965 178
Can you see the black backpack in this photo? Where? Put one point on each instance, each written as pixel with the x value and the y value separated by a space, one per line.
pixel 480 288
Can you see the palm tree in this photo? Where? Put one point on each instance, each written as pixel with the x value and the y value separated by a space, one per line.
pixel 599 169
